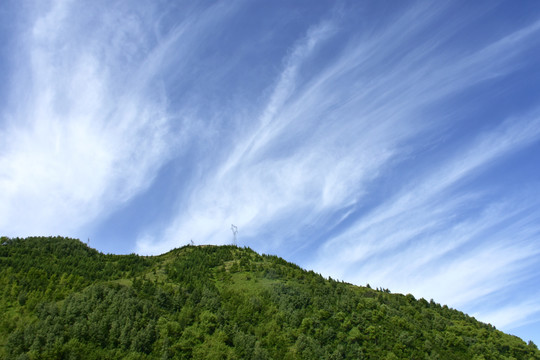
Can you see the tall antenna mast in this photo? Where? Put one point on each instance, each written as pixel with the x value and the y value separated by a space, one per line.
pixel 234 229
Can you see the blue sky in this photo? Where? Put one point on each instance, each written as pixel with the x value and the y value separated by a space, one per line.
pixel 384 142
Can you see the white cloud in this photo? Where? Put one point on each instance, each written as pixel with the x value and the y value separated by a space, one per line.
pixel 414 210
pixel 323 136
pixel 244 190
pixel 512 316
pixel 81 138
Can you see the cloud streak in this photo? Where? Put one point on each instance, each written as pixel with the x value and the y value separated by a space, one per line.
pixel 87 128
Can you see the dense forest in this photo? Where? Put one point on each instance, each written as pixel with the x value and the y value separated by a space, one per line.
pixel 60 299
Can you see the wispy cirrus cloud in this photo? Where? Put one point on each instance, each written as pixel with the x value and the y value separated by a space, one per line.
pixel 433 196
pixel 88 123
pixel 295 157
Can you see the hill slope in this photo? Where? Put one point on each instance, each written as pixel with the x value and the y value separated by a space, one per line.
pixel 61 299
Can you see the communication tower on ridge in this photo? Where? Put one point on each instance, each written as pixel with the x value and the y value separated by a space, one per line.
pixel 234 229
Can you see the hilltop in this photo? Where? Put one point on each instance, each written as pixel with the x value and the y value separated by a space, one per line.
pixel 61 299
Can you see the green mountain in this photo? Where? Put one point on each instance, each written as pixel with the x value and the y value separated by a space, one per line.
pixel 60 299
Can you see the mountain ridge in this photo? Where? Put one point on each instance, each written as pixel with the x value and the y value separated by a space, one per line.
pixel 63 299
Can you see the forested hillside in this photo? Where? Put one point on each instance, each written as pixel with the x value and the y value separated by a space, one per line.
pixel 61 299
